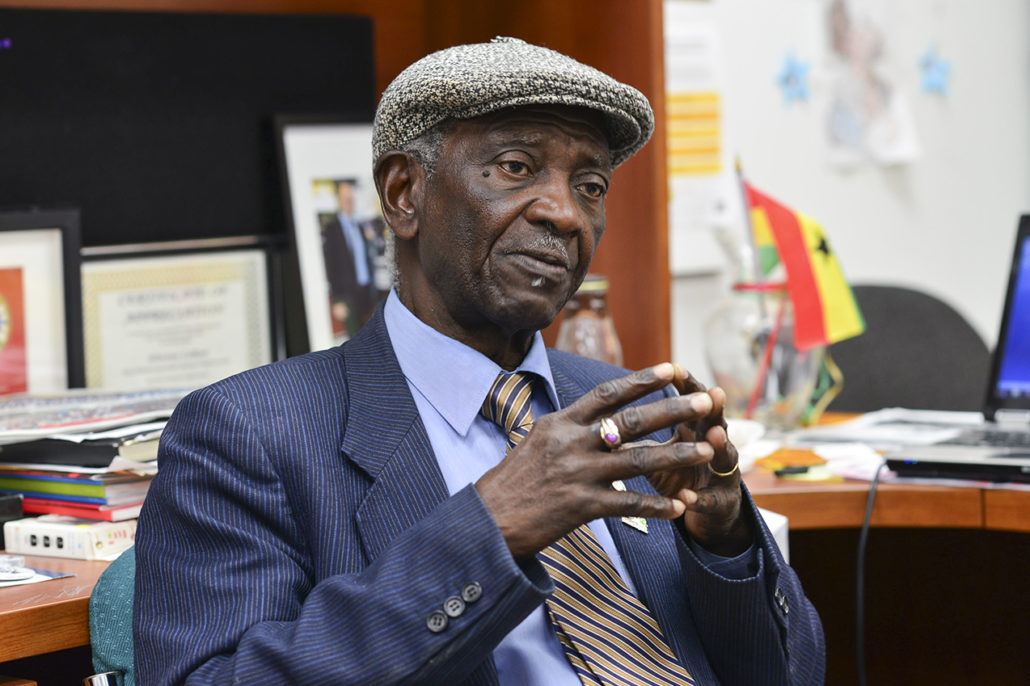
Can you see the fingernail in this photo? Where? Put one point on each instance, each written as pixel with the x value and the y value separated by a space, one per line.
pixel 688 497
pixel 679 507
pixel 680 371
pixel 701 402
pixel 664 371
pixel 686 450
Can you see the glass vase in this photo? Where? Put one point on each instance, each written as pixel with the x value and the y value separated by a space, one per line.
pixel 749 343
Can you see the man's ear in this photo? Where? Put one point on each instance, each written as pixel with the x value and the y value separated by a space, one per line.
pixel 400 181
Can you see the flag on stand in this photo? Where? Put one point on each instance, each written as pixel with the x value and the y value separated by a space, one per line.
pixel 825 310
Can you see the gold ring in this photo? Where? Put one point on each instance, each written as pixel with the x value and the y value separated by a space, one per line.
pixel 610 434
pixel 729 473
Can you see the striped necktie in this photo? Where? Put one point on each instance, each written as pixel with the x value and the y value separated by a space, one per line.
pixel 608 635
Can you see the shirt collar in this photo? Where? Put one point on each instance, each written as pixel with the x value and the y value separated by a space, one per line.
pixel 453 377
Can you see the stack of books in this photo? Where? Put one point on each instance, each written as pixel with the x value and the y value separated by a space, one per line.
pixel 82 454
pixel 110 496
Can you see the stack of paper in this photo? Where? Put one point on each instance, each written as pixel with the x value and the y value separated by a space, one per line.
pixel 84 454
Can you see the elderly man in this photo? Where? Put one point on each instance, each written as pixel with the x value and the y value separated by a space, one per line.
pixel 442 500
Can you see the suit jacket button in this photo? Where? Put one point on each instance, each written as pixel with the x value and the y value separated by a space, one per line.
pixel 454 606
pixel 437 621
pixel 472 592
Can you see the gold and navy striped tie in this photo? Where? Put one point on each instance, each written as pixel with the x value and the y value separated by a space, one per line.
pixel 608 635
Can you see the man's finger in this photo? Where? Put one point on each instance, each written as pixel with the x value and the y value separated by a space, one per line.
pixel 718 404
pixel 608 397
pixel 641 420
pixel 634 504
pixel 703 501
pixel 640 459
pixel 725 459
pixel 688 497
pixel 685 382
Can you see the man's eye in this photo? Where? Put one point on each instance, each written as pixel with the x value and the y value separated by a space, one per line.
pixel 515 167
pixel 594 190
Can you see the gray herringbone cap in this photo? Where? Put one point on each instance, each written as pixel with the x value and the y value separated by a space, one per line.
pixel 468 81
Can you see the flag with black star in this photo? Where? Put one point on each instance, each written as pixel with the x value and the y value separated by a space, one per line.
pixel 825 310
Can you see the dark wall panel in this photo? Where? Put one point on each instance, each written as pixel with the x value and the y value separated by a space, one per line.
pixel 159 126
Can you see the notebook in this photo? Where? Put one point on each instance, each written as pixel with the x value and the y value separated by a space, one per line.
pixel 999 448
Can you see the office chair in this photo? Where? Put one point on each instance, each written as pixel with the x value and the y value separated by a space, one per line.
pixel 110 623
pixel 917 352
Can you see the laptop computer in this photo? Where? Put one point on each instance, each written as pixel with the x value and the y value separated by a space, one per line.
pixel 999 448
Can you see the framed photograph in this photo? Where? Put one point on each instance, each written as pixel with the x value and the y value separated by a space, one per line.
pixel 40 315
pixel 180 315
pixel 344 258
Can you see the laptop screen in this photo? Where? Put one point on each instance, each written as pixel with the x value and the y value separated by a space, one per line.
pixel 1010 378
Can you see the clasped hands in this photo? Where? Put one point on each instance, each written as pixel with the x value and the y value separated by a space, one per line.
pixel 560 475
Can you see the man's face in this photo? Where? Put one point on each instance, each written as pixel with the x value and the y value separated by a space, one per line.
pixel 511 219
pixel 345 198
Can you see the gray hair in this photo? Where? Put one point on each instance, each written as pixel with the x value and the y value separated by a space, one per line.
pixel 427 147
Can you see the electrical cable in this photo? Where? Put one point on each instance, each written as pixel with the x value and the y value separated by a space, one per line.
pixel 863 534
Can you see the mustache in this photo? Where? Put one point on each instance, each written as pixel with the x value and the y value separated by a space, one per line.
pixel 549 243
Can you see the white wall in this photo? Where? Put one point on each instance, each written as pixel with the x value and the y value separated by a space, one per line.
pixel 945 222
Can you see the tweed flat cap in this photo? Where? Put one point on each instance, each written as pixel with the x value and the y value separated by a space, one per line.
pixel 468 81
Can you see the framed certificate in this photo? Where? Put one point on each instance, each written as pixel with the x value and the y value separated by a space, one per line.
pixel 179 315
pixel 40 322
pixel 342 249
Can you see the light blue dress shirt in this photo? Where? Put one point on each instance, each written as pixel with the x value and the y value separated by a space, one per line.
pixel 356 243
pixel 448 381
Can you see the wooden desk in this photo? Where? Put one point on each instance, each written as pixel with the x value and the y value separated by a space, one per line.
pixel 821 505
pixel 943 577
pixel 825 505
pixel 1007 510
pixel 51 615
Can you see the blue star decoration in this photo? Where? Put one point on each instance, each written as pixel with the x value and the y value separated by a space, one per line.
pixel 793 80
pixel 935 72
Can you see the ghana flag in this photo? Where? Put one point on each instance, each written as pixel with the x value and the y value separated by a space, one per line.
pixel 825 310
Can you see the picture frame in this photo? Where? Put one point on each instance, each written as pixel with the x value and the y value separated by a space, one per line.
pixel 341 255
pixel 180 314
pixel 40 314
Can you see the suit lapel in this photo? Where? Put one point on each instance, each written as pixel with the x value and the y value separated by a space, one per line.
pixel 385 437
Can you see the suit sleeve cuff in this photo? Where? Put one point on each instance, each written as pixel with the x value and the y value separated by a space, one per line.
pixel 740 567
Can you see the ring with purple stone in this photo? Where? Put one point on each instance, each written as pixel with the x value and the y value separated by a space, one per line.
pixel 610 434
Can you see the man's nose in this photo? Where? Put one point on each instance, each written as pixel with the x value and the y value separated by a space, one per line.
pixel 555 204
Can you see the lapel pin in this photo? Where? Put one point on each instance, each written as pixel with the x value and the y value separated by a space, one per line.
pixel 638 523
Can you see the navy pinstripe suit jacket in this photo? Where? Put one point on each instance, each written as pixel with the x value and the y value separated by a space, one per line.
pixel 299 531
